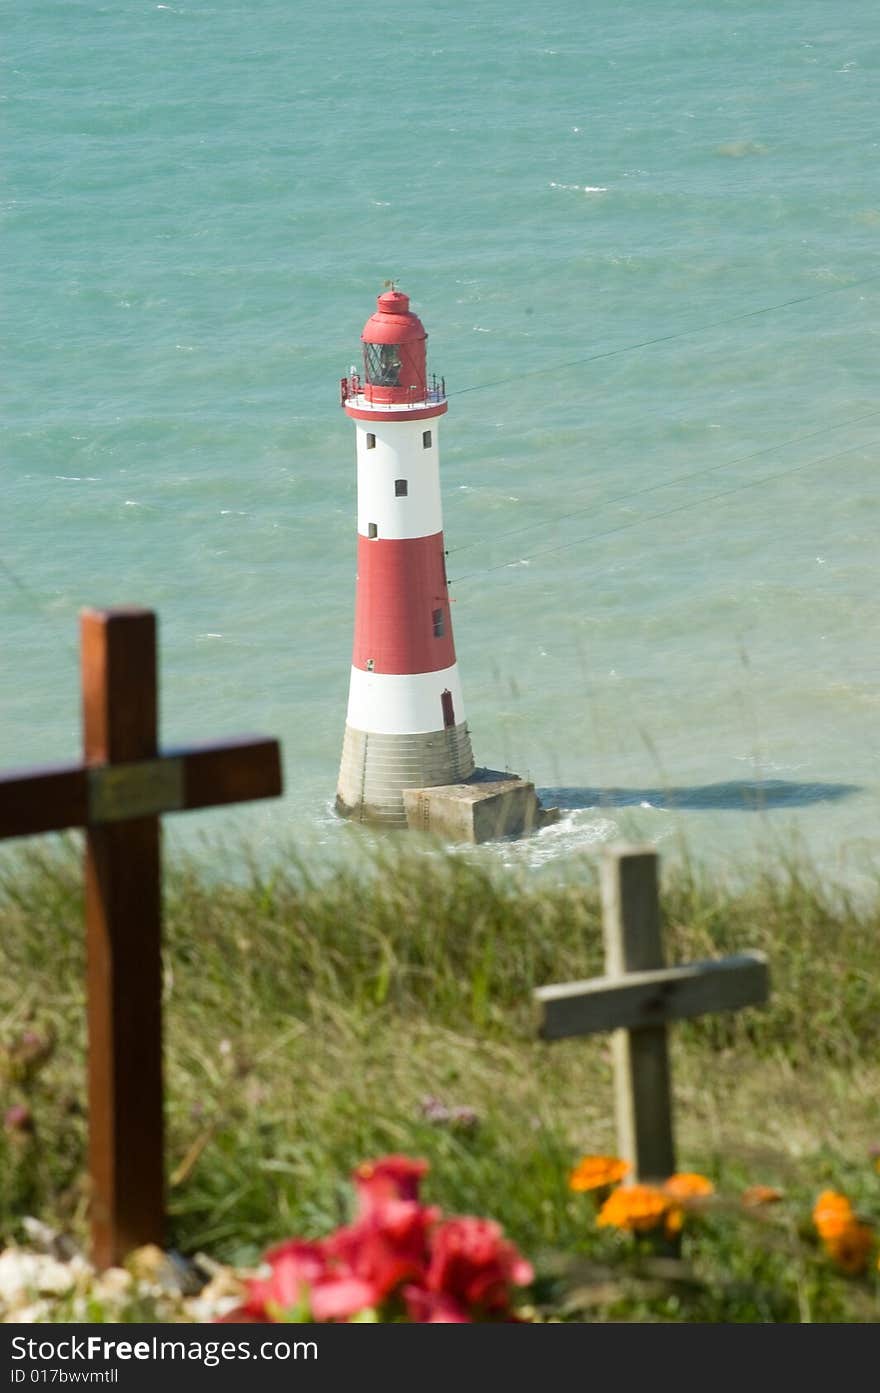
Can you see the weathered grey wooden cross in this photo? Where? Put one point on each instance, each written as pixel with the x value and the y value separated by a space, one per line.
pixel 117 795
pixel 635 1000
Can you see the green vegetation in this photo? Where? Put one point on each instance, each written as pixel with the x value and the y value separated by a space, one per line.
pixel 312 1019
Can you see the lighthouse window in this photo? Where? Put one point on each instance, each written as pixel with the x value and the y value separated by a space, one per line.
pixel 426 439
pixel 439 626
pixel 372 529
pixel 401 488
pixel 371 440
pixel 382 361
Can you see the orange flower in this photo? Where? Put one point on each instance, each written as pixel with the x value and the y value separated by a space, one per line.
pixel 674 1221
pixel 851 1247
pixel 832 1213
pixel 637 1208
pixel 688 1185
pixel 757 1195
pixel 594 1172
pixel 847 1241
pixel 686 1189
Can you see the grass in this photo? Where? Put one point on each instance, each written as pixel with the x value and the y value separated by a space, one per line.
pixel 309 1018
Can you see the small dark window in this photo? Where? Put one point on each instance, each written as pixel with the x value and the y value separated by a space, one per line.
pixel 371 440
pixel 401 488
pixel 439 625
pixel 371 663
pixel 448 709
pixel 372 530
pixel 426 439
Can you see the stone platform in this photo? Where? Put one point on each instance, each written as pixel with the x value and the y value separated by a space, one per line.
pixel 487 806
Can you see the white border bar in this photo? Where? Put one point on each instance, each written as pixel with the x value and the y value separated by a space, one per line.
pixel 384 703
pixel 398 454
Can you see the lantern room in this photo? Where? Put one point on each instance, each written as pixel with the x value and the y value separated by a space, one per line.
pixel 395 375
pixel 394 353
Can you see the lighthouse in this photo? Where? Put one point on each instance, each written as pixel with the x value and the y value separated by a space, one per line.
pixel 405 727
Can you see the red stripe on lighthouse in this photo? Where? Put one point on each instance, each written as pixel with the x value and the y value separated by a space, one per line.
pixel 402 622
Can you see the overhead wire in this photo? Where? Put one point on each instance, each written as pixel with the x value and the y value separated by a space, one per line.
pixel 666 338
pixel 647 343
pixel 596 357
pixel 667 483
pixel 666 512
pixel 17 581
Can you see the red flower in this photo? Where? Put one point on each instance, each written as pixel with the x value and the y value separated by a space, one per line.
pixel 472 1264
pixel 386 1246
pixel 456 1272
pixel 390 1178
pixel 434 1308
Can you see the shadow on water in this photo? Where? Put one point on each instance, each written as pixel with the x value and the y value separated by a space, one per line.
pixel 740 795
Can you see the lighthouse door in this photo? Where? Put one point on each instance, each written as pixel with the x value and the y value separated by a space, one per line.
pixel 448 709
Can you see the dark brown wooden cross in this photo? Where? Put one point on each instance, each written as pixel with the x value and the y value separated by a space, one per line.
pixel 117 795
pixel 636 998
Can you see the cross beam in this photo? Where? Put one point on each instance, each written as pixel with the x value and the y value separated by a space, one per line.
pixel 117 795
pixel 637 997
pixel 53 798
pixel 652 998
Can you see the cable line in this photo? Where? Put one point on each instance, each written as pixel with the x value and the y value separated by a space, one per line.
pixel 667 512
pixel 41 606
pixel 19 584
pixel 669 483
pixel 596 357
pixel 666 338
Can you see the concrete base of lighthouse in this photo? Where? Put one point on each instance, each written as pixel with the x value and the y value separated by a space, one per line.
pixel 377 769
pixel 484 808
pixel 428 782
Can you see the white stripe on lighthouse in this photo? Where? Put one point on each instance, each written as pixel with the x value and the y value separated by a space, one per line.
pixel 398 458
pixel 402 703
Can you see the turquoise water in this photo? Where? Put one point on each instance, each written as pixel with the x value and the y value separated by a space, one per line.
pixel 664 560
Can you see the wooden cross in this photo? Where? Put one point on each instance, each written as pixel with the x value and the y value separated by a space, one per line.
pixel 117 795
pixel 636 998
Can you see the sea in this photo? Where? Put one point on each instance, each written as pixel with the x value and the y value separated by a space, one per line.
pixel 644 241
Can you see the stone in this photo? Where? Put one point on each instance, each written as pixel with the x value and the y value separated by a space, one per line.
pixel 488 806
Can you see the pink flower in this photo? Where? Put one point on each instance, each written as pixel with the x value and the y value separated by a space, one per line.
pixel 304 1276
pixel 339 1295
pixel 475 1266
pixel 389 1178
pixel 296 1266
pixel 19 1119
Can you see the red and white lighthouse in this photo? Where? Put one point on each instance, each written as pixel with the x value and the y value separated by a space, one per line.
pixel 405 726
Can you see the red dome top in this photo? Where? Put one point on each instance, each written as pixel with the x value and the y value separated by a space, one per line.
pixel 393 322
pixel 394 353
